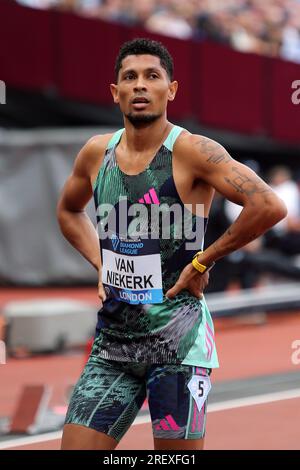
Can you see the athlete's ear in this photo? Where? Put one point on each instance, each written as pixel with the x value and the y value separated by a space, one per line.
pixel 114 92
pixel 172 90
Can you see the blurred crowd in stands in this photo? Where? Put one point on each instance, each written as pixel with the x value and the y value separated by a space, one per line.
pixel 268 27
pixel 277 253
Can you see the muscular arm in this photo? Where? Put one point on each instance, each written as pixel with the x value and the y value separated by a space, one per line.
pixel 74 223
pixel 210 163
pixel 261 206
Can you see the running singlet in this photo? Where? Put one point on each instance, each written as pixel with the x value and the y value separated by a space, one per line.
pixel 145 231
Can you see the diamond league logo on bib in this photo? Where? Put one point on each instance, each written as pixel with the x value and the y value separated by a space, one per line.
pixel 130 236
pixel 131 269
pixel 115 241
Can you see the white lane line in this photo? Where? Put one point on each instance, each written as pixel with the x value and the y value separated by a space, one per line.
pixel 215 407
pixel 254 400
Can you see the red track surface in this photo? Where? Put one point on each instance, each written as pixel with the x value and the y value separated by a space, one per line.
pixel 244 352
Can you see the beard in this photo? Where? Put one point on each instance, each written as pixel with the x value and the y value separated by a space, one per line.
pixel 141 120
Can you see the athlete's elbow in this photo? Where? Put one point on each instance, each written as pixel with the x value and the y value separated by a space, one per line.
pixel 273 212
pixel 59 211
pixel 62 214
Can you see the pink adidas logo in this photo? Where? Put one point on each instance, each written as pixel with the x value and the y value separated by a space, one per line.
pixel 150 197
pixel 167 424
pixel 210 341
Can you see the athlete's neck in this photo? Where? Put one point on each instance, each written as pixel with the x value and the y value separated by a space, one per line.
pixel 145 138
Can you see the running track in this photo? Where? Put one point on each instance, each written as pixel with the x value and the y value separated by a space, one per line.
pixel 259 419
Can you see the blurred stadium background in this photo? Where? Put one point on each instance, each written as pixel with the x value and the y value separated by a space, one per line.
pixel 238 67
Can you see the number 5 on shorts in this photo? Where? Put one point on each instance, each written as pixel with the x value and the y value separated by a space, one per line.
pixel 199 387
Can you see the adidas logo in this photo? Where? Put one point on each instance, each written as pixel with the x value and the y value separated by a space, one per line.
pixel 210 341
pixel 167 424
pixel 150 197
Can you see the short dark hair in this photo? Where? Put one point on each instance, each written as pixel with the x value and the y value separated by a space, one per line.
pixel 141 46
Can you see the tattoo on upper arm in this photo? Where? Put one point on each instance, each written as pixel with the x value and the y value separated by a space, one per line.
pixel 245 185
pixel 213 152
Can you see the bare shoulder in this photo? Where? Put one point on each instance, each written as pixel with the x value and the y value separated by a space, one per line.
pixel 201 147
pixel 92 153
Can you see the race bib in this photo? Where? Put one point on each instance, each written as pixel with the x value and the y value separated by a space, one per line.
pixel 199 387
pixel 131 270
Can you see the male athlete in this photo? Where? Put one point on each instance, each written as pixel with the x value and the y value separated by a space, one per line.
pixel 155 336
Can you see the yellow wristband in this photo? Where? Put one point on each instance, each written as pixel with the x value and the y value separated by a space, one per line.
pixel 200 267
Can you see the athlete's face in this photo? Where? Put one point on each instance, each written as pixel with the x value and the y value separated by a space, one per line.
pixel 143 89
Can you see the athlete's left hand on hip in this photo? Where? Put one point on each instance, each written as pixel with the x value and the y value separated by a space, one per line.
pixel 190 280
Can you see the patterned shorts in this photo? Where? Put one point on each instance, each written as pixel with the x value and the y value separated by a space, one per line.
pixel 109 394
